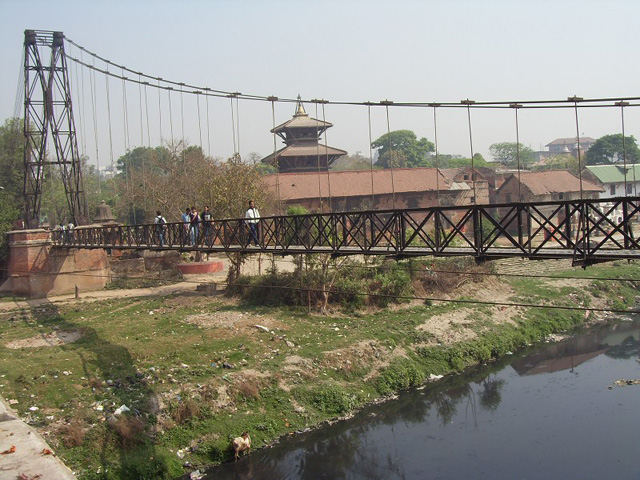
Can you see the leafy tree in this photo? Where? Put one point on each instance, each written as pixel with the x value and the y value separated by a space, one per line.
pixel 450 162
pixel 351 162
pixel 11 180
pixel 402 148
pixel 560 162
pixel 11 159
pixel 507 153
pixel 608 150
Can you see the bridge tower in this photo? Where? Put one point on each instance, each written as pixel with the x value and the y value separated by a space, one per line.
pixel 48 115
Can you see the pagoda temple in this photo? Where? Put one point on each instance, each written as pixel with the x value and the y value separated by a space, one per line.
pixel 303 151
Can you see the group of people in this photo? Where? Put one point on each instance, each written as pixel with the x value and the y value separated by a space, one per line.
pixel 195 223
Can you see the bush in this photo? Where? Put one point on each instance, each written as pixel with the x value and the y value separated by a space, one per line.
pixel 331 399
pixel 400 375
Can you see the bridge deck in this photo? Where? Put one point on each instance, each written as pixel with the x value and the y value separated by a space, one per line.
pixel 587 231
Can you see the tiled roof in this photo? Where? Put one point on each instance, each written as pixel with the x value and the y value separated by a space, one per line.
pixel 295 186
pixel 615 173
pixel 553 181
pixel 571 141
pixel 306 149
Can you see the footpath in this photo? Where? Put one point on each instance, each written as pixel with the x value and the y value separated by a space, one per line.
pixel 24 455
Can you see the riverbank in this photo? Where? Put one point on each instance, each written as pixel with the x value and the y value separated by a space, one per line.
pixel 158 386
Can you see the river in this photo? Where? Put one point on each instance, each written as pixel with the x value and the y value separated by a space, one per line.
pixel 552 412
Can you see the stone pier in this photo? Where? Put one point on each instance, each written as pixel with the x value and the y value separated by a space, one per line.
pixel 38 269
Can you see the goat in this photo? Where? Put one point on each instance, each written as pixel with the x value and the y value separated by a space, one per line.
pixel 241 444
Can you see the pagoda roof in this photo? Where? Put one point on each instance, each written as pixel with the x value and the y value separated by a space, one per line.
pixel 305 149
pixel 301 119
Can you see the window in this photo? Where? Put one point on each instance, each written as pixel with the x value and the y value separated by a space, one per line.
pixel 629 188
pixel 612 189
pixel 507 198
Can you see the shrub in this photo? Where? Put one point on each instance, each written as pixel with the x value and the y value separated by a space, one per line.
pixel 400 375
pixel 184 411
pixel 129 431
pixel 331 399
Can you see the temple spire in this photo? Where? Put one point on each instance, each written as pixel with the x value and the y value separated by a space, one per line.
pixel 300 111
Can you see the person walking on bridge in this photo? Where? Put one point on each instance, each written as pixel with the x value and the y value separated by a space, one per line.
pixel 186 221
pixel 161 226
pixel 253 219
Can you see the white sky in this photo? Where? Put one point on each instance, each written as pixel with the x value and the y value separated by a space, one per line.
pixel 344 50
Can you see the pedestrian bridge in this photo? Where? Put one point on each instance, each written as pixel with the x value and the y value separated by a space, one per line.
pixel 586 231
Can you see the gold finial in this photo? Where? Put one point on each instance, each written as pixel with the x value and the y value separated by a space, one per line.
pixel 300 111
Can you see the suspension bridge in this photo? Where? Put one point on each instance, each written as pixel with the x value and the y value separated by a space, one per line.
pixel 585 229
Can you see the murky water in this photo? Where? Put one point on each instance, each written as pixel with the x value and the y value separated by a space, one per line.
pixel 544 414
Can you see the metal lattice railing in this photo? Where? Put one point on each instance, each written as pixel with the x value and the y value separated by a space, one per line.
pixel 588 231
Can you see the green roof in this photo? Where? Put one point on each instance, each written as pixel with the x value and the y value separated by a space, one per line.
pixel 615 173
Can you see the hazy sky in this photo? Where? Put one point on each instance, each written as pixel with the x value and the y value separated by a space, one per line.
pixel 348 50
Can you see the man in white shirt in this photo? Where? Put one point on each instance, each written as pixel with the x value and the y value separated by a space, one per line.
pixel 253 218
pixel 161 226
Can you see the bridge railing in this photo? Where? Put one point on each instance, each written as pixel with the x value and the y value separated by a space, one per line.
pixel 585 230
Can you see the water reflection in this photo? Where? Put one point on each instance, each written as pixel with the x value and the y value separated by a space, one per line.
pixel 522 417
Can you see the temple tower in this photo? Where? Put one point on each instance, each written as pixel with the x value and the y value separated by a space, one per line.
pixel 303 151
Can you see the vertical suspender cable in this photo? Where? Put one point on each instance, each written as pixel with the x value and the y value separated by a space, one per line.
pixel 92 85
pixel 575 101
pixel 275 154
pixel 141 111
pixel 160 111
pixel 208 127
pixel 238 123
pixel 144 156
pixel 318 161
pixel 393 188
pixel 516 106
pixel 184 146
pixel 199 120
pixel 435 139
pixel 82 109
pixel 326 152
pixel 371 157
pixel 623 104
pixel 233 128
pixel 468 103
pixel 146 108
pixel 169 89
pixel 106 80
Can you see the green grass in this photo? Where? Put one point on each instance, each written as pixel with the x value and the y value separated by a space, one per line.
pixel 144 354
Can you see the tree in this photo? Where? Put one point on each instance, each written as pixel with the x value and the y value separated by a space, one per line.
pixel 560 162
pixel 402 148
pixel 12 159
pixel 351 162
pixel 508 153
pixel 609 149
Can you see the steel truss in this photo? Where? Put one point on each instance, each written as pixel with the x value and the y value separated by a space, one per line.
pixel 48 113
pixel 586 231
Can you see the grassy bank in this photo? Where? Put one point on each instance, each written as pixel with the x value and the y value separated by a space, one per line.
pixel 194 371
